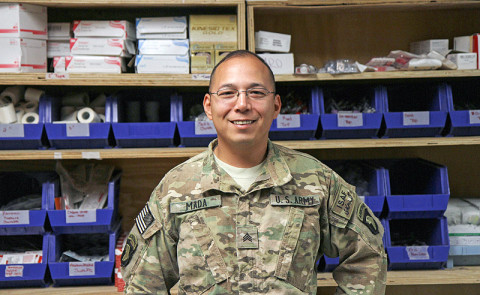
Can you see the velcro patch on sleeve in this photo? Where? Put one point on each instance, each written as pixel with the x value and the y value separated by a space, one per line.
pixel 344 202
pixel 144 219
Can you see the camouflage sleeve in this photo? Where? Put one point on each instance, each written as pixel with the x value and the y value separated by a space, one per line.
pixel 149 259
pixel 355 235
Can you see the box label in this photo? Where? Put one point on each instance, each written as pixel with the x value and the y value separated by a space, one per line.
pixel 77 129
pixel 14 217
pixel 416 118
pixel 13 271
pixel 288 121
pixel 474 116
pixel 12 130
pixel 465 240
pixel 417 252
pixel 81 216
pixel 204 127
pixel 81 269
pixel 349 119
pixel 62 76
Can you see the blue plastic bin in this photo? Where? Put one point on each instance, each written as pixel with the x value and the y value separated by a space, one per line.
pixel 402 236
pixel 25 136
pixel 370 124
pixel 66 274
pixel 463 255
pixel 88 135
pixel 463 121
pixel 105 218
pixel 28 274
pixel 416 188
pixel 14 185
pixel 427 103
pixel 137 132
pixel 327 264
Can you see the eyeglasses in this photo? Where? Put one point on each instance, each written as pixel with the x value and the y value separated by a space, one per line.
pixel 256 93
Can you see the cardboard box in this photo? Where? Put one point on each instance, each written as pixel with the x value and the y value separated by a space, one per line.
pixel 462 43
pixel 220 54
pixel 94 64
pixel 476 47
pixel 202 61
pixel 22 55
pixel 59 64
pixel 272 42
pixel 103 28
pixel 464 60
pixel 59 31
pixel 217 31
pixel 163 47
pixel 162 27
pixel 425 46
pixel 102 46
pixel 58 48
pixel 23 21
pixel 280 63
pixel 162 64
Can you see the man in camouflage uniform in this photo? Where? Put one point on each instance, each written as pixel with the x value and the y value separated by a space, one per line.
pixel 202 229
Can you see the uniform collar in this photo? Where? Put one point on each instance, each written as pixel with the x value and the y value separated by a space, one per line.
pixel 275 172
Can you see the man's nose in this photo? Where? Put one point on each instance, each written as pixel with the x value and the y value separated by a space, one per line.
pixel 243 101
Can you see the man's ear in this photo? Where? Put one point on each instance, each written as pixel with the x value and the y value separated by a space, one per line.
pixel 277 105
pixel 207 105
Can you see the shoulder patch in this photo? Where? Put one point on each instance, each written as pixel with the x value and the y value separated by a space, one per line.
pixel 366 218
pixel 344 202
pixel 193 205
pixel 144 219
pixel 129 250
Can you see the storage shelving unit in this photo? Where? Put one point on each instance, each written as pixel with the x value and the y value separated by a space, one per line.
pixel 321 30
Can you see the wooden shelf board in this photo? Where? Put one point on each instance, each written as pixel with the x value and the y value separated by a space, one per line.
pixel 181 152
pixel 128 3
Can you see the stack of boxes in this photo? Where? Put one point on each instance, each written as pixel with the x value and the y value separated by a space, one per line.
pixel 23 35
pixel 277 47
pixel 162 45
pixel 211 38
pixel 466 52
pixel 58 44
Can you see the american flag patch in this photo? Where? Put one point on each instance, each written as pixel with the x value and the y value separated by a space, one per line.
pixel 144 219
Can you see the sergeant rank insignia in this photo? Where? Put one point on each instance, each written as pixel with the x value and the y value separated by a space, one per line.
pixel 144 219
pixel 247 237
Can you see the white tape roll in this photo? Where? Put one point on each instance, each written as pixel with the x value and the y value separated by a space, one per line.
pixel 7 111
pixel 70 117
pixel 30 118
pixel 14 94
pixel 75 99
pixel 99 101
pixel 19 114
pixel 30 107
pixel 152 111
pixel 133 111
pixel 32 94
pixel 87 115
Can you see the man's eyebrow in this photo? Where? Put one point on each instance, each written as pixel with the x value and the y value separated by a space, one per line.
pixel 230 85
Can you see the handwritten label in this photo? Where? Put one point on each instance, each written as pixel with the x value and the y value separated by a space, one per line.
pixel 288 121
pixel 91 155
pixel 61 76
pixel 205 127
pixel 349 119
pixel 81 269
pixel 417 252
pixel 474 116
pixel 77 129
pixel 57 155
pixel 464 240
pixel 416 118
pixel 12 130
pixel 14 217
pixel 13 271
pixel 201 77
pixel 81 216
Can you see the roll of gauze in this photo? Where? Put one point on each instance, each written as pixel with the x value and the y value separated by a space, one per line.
pixel 14 94
pixel 30 118
pixel 7 111
pixel 87 115
pixel 19 114
pixel 30 107
pixel 32 94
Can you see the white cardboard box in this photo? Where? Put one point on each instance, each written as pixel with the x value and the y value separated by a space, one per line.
pixel 464 60
pixel 23 21
pixel 162 27
pixel 103 28
pixel 272 42
pixel 462 43
pixel 102 46
pixel 58 48
pixel 59 64
pixel 213 32
pixel 163 47
pixel 280 63
pixel 162 64
pixel 21 55
pixel 94 64
pixel 59 31
pixel 425 46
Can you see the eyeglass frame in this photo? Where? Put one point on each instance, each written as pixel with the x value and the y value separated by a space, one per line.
pixel 246 91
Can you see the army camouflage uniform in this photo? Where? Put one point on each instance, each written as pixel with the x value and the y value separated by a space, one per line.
pixel 200 229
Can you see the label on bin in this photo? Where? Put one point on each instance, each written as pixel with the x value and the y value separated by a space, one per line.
pixel 288 121
pixel 13 271
pixel 81 216
pixel 474 116
pixel 204 127
pixel 14 217
pixel 349 119
pixel 12 130
pixel 416 118
pixel 417 252
pixel 77 129
pixel 81 269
